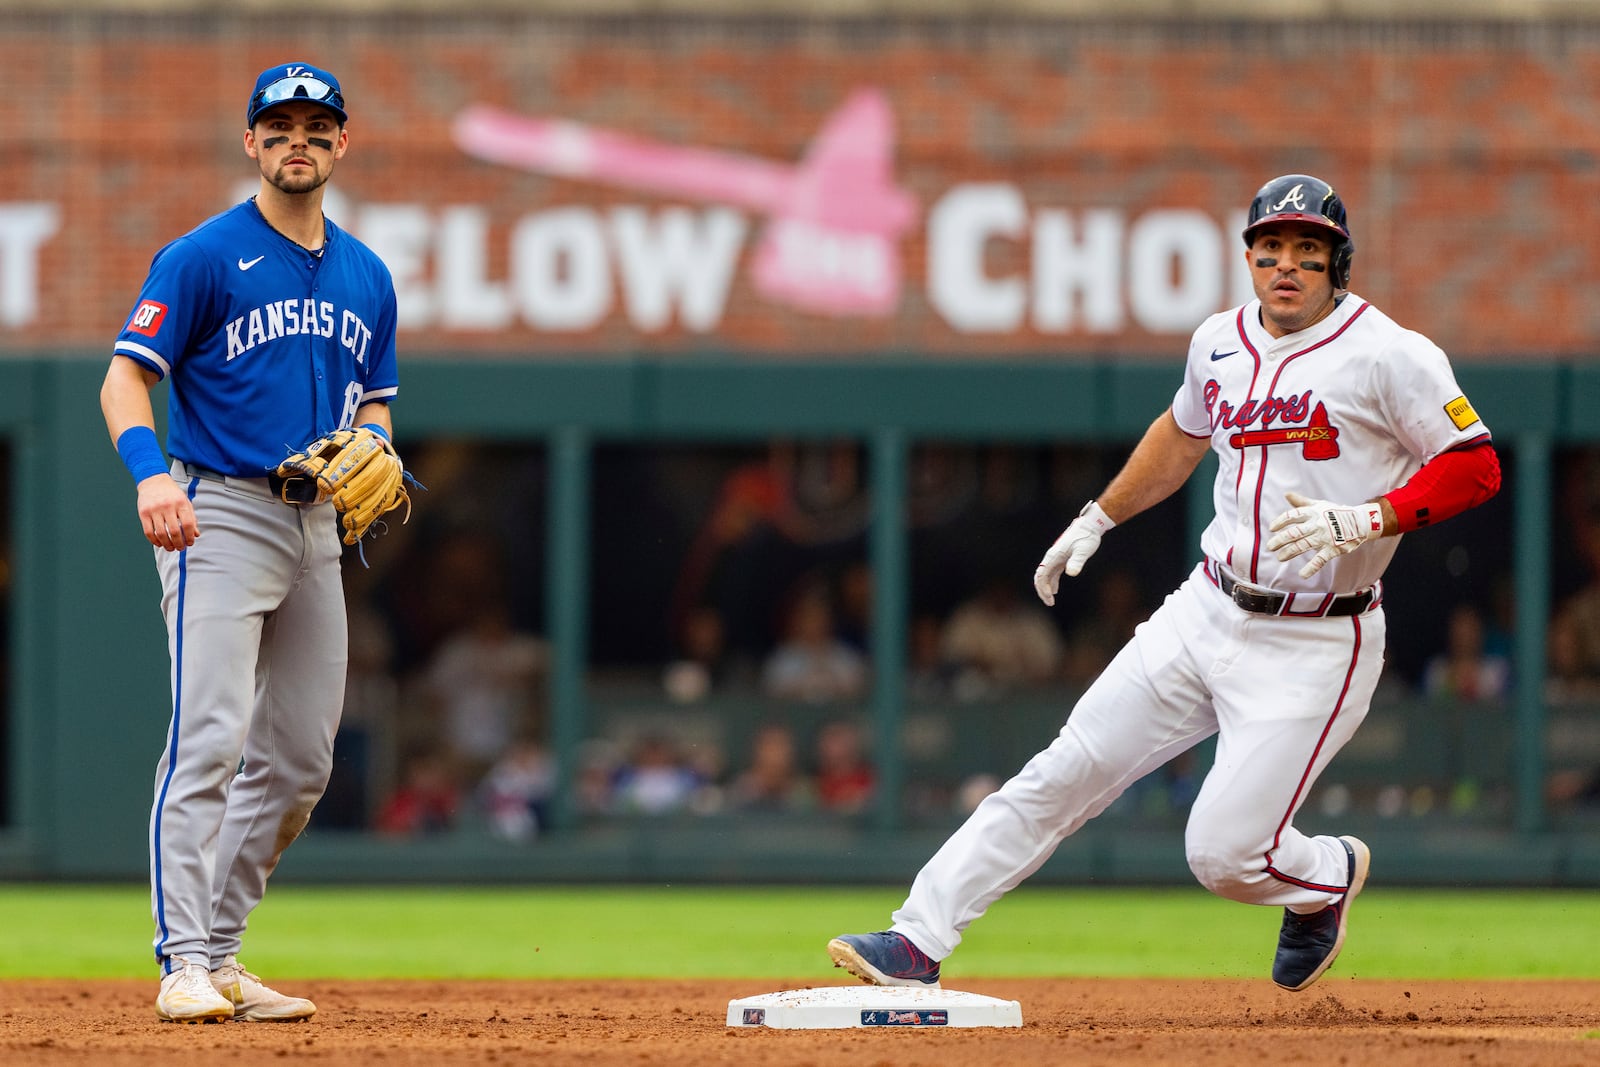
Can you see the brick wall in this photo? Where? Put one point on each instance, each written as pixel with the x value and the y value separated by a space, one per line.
pixel 1469 157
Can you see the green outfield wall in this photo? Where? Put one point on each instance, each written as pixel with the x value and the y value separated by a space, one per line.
pixel 88 675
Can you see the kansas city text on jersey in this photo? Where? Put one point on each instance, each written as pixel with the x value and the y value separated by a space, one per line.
pixel 289 318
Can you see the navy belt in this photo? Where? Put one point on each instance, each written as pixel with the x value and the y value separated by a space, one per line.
pixel 1265 602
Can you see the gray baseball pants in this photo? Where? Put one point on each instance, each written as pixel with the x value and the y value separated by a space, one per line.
pixel 256 629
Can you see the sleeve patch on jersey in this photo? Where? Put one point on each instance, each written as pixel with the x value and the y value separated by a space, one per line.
pixel 1461 413
pixel 146 318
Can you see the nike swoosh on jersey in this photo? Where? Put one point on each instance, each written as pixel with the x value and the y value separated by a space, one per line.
pixel 1215 355
pixel 243 265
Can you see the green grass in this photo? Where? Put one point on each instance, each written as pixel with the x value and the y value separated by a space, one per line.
pixel 545 932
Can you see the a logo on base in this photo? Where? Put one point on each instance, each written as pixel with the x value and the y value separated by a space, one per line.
pixel 905 1018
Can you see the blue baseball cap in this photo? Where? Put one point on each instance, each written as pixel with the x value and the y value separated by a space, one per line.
pixel 289 82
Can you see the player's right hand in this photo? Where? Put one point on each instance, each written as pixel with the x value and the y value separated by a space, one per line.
pixel 1071 551
pixel 166 513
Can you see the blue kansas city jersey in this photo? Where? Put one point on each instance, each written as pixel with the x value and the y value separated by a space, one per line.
pixel 268 346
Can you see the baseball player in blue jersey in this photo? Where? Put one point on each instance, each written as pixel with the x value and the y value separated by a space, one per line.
pixel 274 328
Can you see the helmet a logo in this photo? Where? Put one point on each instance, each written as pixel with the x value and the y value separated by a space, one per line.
pixel 1294 197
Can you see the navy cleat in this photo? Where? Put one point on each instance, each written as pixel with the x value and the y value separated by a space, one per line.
pixel 1308 944
pixel 885 958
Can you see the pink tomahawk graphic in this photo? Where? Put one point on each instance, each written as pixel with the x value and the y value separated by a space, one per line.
pixel 835 217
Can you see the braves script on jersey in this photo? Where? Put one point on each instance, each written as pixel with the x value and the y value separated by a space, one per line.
pixel 1319 412
pixel 279 346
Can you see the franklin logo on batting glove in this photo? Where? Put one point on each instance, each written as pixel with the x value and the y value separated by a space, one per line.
pixel 1329 529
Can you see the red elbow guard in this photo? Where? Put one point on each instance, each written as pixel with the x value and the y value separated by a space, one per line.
pixel 1447 485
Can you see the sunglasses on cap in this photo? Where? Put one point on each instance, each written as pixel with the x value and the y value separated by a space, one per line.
pixel 301 88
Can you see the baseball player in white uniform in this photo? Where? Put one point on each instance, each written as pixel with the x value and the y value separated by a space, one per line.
pixel 1337 430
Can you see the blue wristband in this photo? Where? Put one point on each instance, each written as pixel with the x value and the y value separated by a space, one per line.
pixel 141 453
pixel 375 428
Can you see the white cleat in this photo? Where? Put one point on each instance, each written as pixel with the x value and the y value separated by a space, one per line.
pixel 187 995
pixel 251 1000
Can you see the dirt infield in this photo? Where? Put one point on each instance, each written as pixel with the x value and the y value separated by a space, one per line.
pixel 1073 1021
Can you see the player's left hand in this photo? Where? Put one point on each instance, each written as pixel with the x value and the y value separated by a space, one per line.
pixel 359 471
pixel 1329 529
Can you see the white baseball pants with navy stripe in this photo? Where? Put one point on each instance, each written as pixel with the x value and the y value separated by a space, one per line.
pixel 1283 695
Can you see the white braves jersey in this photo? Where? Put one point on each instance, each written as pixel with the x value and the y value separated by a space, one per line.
pixel 1343 411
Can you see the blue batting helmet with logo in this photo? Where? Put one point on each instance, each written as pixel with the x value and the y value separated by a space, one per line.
pixel 295 82
pixel 1303 198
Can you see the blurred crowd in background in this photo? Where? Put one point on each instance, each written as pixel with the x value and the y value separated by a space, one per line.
pixel 731 663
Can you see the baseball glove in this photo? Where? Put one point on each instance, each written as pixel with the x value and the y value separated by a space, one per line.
pixel 356 469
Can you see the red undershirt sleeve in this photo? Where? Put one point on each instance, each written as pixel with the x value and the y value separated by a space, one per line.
pixel 1447 485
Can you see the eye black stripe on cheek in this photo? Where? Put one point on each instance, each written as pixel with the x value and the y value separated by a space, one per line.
pixel 1313 265
pixel 322 143
pixel 1266 262
pixel 274 142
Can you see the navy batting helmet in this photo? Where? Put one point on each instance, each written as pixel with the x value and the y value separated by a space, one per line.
pixel 1303 198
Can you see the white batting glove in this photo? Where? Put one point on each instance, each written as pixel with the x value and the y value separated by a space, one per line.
pixel 1329 529
pixel 1071 551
